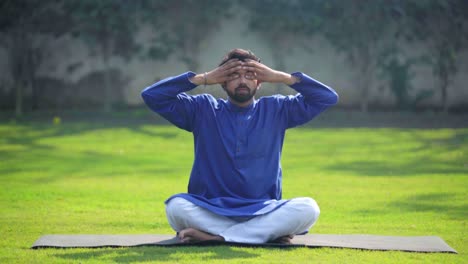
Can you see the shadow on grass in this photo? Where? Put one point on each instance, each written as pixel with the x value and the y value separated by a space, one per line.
pixel 24 144
pixel 442 204
pixel 42 130
pixel 27 137
pixel 423 159
pixel 43 127
pixel 62 163
pixel 30 133
pixel 415 167
pixel 158 254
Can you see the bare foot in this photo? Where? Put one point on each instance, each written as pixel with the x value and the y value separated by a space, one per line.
pixel 283 239
pixel 193 235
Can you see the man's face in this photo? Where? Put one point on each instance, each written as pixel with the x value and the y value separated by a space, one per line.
pixel 243 87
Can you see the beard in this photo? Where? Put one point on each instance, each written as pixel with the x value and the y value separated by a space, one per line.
pixel 241 94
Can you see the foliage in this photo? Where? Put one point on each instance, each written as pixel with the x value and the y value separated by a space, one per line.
pixel 277 19
pixel 397 70
pixel 440 26
pixel 200 20
pixel 112 178
pixel 356 28
pixel 364 29
pixel 25 27
pixel 359 29
pixel 29 14
pixel 283 24
pixel 108 26
pixel 153 14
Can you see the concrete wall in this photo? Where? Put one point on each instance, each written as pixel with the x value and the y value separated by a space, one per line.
pixel 324 64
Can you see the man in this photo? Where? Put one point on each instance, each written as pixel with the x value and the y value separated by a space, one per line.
pixel 234 191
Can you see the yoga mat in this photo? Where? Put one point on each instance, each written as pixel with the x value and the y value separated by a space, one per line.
pixel 369 242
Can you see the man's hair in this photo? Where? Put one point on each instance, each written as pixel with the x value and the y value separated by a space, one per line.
pixel 239 54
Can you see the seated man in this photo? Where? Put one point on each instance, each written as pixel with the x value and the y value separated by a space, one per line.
pixel 234 191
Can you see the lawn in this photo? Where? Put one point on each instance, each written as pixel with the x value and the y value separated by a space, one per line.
pixel 112 178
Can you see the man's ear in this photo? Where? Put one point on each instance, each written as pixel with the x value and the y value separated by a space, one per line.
pixel 259 84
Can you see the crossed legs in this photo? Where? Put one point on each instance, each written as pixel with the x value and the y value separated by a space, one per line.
pixel 196 223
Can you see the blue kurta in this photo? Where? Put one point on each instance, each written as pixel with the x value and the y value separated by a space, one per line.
pixel 237 169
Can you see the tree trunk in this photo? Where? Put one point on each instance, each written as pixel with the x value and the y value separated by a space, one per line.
pixel 279 47
pixel 107 87
pixel 33 64
pixel 17 63
pixel 364 79
pixel 107 107
pixel 444 86
pixel 35 95
pixel 192 64
pixel 190 47
pixel 19 99
pixel 364 105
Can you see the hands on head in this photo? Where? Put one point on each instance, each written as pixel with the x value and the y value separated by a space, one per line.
pixel 233 68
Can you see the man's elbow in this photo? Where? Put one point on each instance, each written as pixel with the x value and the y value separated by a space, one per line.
pixel 148 97
pixel 151 94
pixel 333 98
pixel 144 94
pixel 336 98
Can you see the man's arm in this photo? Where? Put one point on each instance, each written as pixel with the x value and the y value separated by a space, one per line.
pixel 266 74
pixel 313 98
pixel 218 75
pixel 168 98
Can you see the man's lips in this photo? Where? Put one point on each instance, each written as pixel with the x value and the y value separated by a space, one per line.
pixel 242 89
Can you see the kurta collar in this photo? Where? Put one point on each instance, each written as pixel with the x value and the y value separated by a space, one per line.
pixel 236 108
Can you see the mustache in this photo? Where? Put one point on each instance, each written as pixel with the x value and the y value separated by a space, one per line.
pixel 242 86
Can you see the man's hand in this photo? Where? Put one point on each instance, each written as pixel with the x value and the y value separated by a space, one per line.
pixel 265 74
pixel 219 75
pixel 224 73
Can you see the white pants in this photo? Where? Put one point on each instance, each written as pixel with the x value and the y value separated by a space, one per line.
pixel 295 217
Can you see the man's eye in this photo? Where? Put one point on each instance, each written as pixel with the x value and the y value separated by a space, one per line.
pixel 234 75
pixel 249 76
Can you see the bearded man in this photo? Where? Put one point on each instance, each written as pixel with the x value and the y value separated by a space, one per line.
pixel 235 187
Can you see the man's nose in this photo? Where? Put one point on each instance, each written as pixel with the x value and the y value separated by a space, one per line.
pixel 242 78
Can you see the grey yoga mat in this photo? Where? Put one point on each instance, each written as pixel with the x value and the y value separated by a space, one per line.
pixel 369 242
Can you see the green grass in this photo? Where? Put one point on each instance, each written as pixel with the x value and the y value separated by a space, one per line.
pixel 91 178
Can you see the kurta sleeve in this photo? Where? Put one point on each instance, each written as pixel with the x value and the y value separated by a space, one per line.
pixel 168 98
pixel 313 98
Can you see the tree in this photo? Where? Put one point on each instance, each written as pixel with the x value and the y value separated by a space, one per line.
pixel 25 28
pixel 181 26
pixel 108 28
pixel 357 28
pixel 396 68
pixel 360 29
pixel 154 14
pixel 283 24
pixel 442 28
